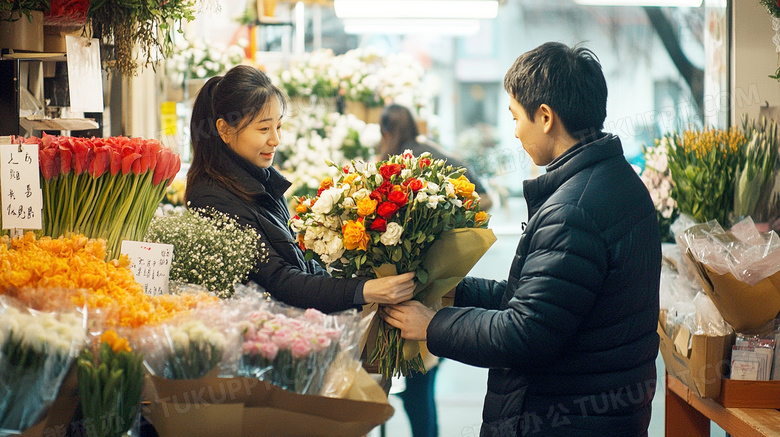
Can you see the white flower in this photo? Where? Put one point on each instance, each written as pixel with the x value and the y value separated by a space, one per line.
pixel 392 235
pixel 433 201
pixel 406 173
pixel 456 202
pixel 360 194
pixel 421 197
pixel 432 188
pixel 378 179
pixel 328 199
pixel 449 189
pixel 348 203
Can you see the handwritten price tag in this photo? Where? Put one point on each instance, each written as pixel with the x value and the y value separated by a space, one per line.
pixel 20 187
pixel 150 263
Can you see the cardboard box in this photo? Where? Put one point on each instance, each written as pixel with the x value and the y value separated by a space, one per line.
pixel 701 366
pixel 247 407
pixel 747 309
pixel 749 394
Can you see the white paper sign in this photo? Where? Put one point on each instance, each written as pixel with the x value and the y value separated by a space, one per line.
pixel 150 263
pixel 84 74
pixel 21 197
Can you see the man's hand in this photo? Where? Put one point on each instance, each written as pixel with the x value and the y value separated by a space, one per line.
pixel 411 317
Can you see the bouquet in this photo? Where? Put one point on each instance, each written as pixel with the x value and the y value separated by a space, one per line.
pixel 102 187
pixel 36 352
pixel 659 183
pixel 35 271
pixel 383 219
pixel 186 347
pixel 210 249
pixel 293 353
pixel 755 176
pixel 66 13
pixel 110 385
pixel 703 164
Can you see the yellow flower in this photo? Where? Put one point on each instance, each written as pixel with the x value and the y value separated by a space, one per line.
pixel 117 343
pixel 480 217
pixel 366 206
pixel 463 187
pixel 326 183
pixel 349 179
pixel 301 208
pixel 355 236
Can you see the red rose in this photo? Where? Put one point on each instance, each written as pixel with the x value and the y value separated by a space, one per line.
pixel 424 162
pixel 385 188
pixel 379 224
pixel 413 184
pixel 387 209
pixel 389 170
pixel 376 195
pixel 398 197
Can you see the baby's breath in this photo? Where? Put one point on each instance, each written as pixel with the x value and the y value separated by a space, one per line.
pixel 211 249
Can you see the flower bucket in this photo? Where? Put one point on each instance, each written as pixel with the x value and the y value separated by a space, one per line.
pixel 24 35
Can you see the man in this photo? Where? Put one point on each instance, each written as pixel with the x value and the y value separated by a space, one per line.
pixel 570 337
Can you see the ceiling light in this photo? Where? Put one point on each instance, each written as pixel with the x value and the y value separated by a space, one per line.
pixel 668 3
pixel 474 9
pixel 412 26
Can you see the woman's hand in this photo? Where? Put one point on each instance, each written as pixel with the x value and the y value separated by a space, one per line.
pixel 390 289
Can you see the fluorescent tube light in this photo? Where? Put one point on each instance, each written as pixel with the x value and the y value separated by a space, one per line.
pixel 668 3
pixel 411 26
pixel 477 9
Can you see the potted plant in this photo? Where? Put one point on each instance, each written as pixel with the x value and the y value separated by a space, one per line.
pixel 22 34
pixel 148 25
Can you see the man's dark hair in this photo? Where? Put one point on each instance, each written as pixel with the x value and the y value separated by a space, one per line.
pixel 568 79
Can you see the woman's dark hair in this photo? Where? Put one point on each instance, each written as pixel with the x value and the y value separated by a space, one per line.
pixel 238 97
pixel 567 79
pixel 398 128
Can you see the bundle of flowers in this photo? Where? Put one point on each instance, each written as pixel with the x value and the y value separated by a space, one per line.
pixel 102 187
pixel 200 59
pixel 111 380
pixel 703 164
pixel 36 352
pixel 290 348
pixel 658 181
pixel 210 249
pixel 312 75
pixel 754 181
pixel 374 80
pixel 389 213
pixel 312 138
pixel 66 13
pixel 36 269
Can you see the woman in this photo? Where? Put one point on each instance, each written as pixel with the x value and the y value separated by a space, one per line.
pixel 235 128
pixel 399 133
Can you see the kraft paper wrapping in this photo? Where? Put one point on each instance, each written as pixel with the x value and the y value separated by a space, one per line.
pixel 448 261
pixel 213 406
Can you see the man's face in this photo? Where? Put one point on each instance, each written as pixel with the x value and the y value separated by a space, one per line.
pixel 531 134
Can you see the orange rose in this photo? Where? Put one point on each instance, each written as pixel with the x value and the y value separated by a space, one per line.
pixel 301 208
pixel 463 188
pixel 480 217
pixel 366 206
pixel 355 236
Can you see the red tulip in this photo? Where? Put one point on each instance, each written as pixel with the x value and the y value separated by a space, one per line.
pixel 154 148
pixel 165 166
pixel 174 168
pixel 131 162
pixel 48 161
pixel 116 161
pixel 100 162
pixel 66 156
pixel 81 154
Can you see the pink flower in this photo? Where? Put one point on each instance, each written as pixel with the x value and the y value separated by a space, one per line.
pixel 333 334
pixel 314 315
pixel 300 348
pixel 323 342
pixel 269 350
pixel 250 348
pixel 283 338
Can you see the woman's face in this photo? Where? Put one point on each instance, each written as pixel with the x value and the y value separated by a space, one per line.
pixel 258 140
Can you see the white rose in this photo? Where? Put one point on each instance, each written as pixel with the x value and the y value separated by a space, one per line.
pixel 348 203
pixel 449 188
pixel 327 200
pixel 335 248
pixel 422 196
pixel 360 194
pixel 331 222
pixel 432 188
pixel 433 201
pixel 392 235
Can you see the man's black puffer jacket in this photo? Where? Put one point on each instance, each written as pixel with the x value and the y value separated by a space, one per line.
pixel 286 274
pixel 570 338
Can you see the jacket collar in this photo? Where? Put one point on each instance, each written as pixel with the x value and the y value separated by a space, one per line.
pixel 577 158
pixel 262 182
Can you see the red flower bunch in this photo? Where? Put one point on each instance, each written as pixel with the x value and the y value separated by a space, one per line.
pixel 102 187
pixel 65 13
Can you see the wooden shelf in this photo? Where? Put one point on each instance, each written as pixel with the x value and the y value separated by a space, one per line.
pixel 48 57
pixel 688 415
pixel 59 124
